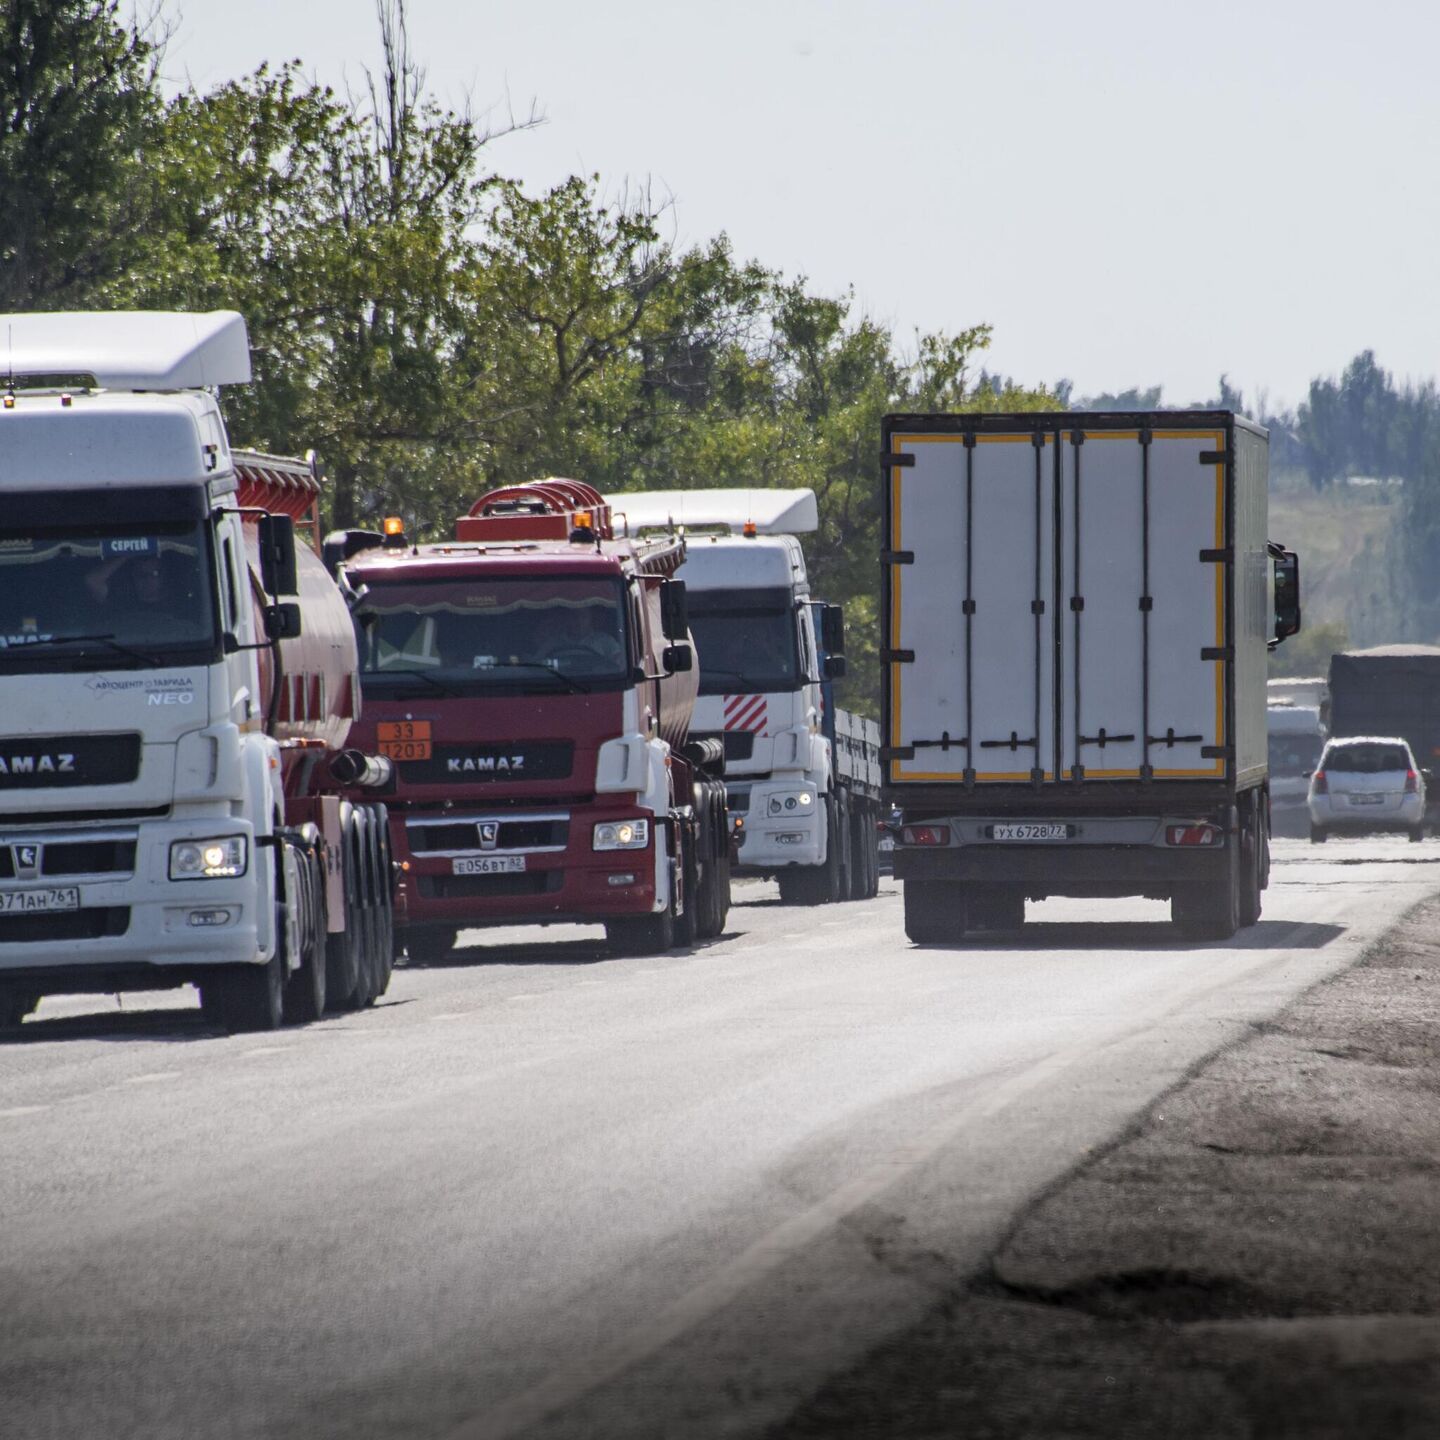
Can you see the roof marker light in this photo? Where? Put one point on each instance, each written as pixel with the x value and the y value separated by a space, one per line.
pixel 750 531
pixel 394 525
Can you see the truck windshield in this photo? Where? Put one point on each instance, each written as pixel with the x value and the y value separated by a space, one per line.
pixel 1294 754
pixel 88 597
pixel 743 650
pixel 483 634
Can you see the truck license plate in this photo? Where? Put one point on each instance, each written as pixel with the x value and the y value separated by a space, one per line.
pixel 488 865
pixel 31 902
pixel 1030 831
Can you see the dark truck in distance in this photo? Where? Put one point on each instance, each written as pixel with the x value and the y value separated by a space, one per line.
pixel 1390 690
pixel 1076 612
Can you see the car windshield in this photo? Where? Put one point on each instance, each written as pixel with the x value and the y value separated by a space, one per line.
pixel 1294 754
pixel 742 650
pixel 479 634
pixel 82 597
pixel 1367 758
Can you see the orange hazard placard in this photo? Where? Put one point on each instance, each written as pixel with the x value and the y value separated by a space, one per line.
pixel 404 739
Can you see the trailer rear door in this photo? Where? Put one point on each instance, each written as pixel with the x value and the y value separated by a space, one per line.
pixel 1057 605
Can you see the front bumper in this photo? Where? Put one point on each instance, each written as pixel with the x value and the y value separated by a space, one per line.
pixel 791 835
pixel 133 920
pixel 561 879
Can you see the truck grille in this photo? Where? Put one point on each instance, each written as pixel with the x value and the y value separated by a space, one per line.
pixel 489 764
pixel 45 761
pixel 95 924
pixel 83 857
pixel 549 832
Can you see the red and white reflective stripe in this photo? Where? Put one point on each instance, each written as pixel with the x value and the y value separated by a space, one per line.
pixel 745 712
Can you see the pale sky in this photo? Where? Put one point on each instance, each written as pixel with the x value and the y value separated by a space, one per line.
pixel 1130 193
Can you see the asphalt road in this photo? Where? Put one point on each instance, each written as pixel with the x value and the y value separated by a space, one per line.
pixel 542 1192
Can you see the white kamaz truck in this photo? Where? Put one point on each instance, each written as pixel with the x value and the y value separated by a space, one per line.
pixel 177 679
pixel 802 776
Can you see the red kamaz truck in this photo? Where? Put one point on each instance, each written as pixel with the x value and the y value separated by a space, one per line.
pixel 532 684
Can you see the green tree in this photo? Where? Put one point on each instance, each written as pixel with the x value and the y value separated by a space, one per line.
pixel 78 99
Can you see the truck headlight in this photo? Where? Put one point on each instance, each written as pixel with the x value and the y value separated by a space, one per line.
pixel 221 858
pixel 794 803
pixel 622 835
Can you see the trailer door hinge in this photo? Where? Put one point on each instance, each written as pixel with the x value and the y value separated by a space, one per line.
pixel 897 657
pixel 1218 652
pixel 903 458
pixel 897 557
pixel 1217 752
pixel 1217 557
pixel 897 752
pixel 1214 457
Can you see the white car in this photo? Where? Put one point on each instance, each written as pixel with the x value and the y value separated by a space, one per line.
pixel 1366 783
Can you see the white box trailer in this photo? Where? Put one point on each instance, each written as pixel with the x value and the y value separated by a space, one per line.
pixel 1076 614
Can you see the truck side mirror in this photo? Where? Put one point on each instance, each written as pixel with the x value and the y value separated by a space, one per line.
pixel 674 610
pixel 278 571
pixel 1287 591
pixel 677 659
pixel 282 622
pixel 832 630
pixel 834 667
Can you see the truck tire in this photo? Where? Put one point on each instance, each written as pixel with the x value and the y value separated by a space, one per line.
pixel 996 907
pixel 1317 834
pixel 384 898
pixel 15 1005
pixel 846 886
pixel 1252 867
pixel 1210 912
pixel 345 951
pixel 379 923
pixel 867 847
pixel 430 945
pixel 686 926
pixel 243 998
pixel 642 934
pixel 936 912
pixel 305 989
pixel 816 884
pixel 712 862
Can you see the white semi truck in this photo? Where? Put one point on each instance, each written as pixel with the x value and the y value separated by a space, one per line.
pixel 177 679
pixel 802 776
pixel 1076 613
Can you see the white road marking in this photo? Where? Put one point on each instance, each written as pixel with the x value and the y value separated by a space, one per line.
pixel 154 1077
pixel 265 1050
pixel 17 1110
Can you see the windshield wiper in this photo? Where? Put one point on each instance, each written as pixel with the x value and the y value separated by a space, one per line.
pixel 418 675
pixel 108 640
pixel 568 680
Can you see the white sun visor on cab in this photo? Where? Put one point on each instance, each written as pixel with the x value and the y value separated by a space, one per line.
pixel 773 512
pixel 129 349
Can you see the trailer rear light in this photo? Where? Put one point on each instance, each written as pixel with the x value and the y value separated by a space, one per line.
pixel 1201 834
pixel 1412 783
pixel 1322 785
pixel 925 835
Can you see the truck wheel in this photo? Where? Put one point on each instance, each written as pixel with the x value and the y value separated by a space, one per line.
pixel 867 846
pixel 712 862
pixel 305 989
pixel 845 884
pixel 15 1005
pixel 996 907
pixel 1417 834
pixel 345 951
pixel 429 946
pixel 1251 869
pixel 816 884
pixel 379 927
pixel 1210 912
pixel 641 934
pixel 936 912
pixel 242 998
pixel 1317 834
pixel 687 917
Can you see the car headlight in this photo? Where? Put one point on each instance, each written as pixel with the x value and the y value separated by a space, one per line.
pixel 794 803
pixel 622 835
pixel 221 858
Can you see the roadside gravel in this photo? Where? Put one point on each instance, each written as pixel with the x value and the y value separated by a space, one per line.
pixel 1258 1257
